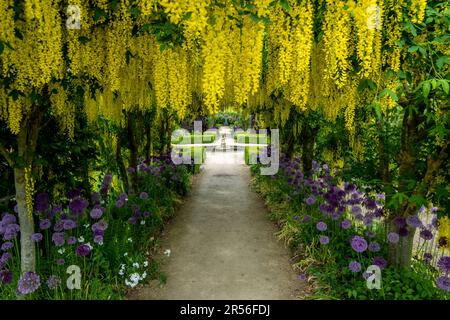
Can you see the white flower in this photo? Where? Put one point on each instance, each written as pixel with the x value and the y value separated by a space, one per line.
pixel 144 275
pixel 81 239
pixel 130 284
pixel 145 264
pixel 167 252
pixel 89 245
pixel 142 222
pixel 125 254
pixel 121 272
pixel 61 251
pixel 136 265
pixel 87 225
pixel 130 240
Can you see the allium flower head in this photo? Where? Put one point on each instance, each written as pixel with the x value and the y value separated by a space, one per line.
pixel 29 282
pixel 306 218
pixel 143 195
pixel 354 266
pixel 443 283
pixel 36 237
pixel 426 234
pixel 346 224
pixel 324 240
pixel 380 261
pixel 310 200
pixel 69 224
pixel 427 257
pixel 7 245
pixel 96 213
pixel 359 244
pixel 53 282
pixel 78 205
pixel 393 237
pixel 6 277
pixel 414 221
pixel 58 238
pixel 444 264
pixel 374 247
pixel 44 224
pixel 71 240
pixel 83 250
pixel 321 226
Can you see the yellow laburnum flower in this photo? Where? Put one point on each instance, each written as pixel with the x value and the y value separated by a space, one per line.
pixel 417 10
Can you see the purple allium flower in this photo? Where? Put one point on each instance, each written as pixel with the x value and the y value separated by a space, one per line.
pixel 310 200
pixel 427 257
pixel 444 264
pixel 44 224
pixel 107 179
pixel 370 234
pixel 400 222
pixel 321 226
pixel 414 221
pixel 71 240
pixel 374 247
pixel 42 200
pixel 146 214
pixel 69 224
pixel 120 203
pixel 354 266
pixel 53 282
pixel 101 225
pixel 367 220
pixel 356 210
pixel 434 221
pixel 359 244
pixel 393 237
pixel 5 257
pixel 98 239
pixel 306 218
pixel 346 224
pixel 403 232
pixel 96 213
pixel 422 209
pixel 29 282
pixel 59 226
pixel 324 240
pixel 83 250
pixel 6 277
pixel 8 219
pixel 379 261
pixel 60 262
pixel 78 205
pixel 143 195
pixel 426 234
pixel 36 237
pixel 443 283
pixel 7 245
pixel 58 238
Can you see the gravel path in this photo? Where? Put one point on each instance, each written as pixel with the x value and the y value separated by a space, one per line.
pixel 222 244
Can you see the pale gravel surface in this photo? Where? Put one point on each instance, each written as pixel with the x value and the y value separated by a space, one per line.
pixel 222 243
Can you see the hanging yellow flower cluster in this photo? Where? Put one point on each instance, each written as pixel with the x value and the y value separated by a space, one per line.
pixel 118 37
pixel 146 6
pixel 214 51
pixel 337 32
pixel 417 10
pixel 171 79
pixel 247 58
pixel 368 20
pixel 302 42
pixel 64 109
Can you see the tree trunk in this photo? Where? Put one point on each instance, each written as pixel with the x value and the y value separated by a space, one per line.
pixel 400 254
pixel 133 153
pixel 148 144
pixel 308 141
pixel 120 164
pixel 26 146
